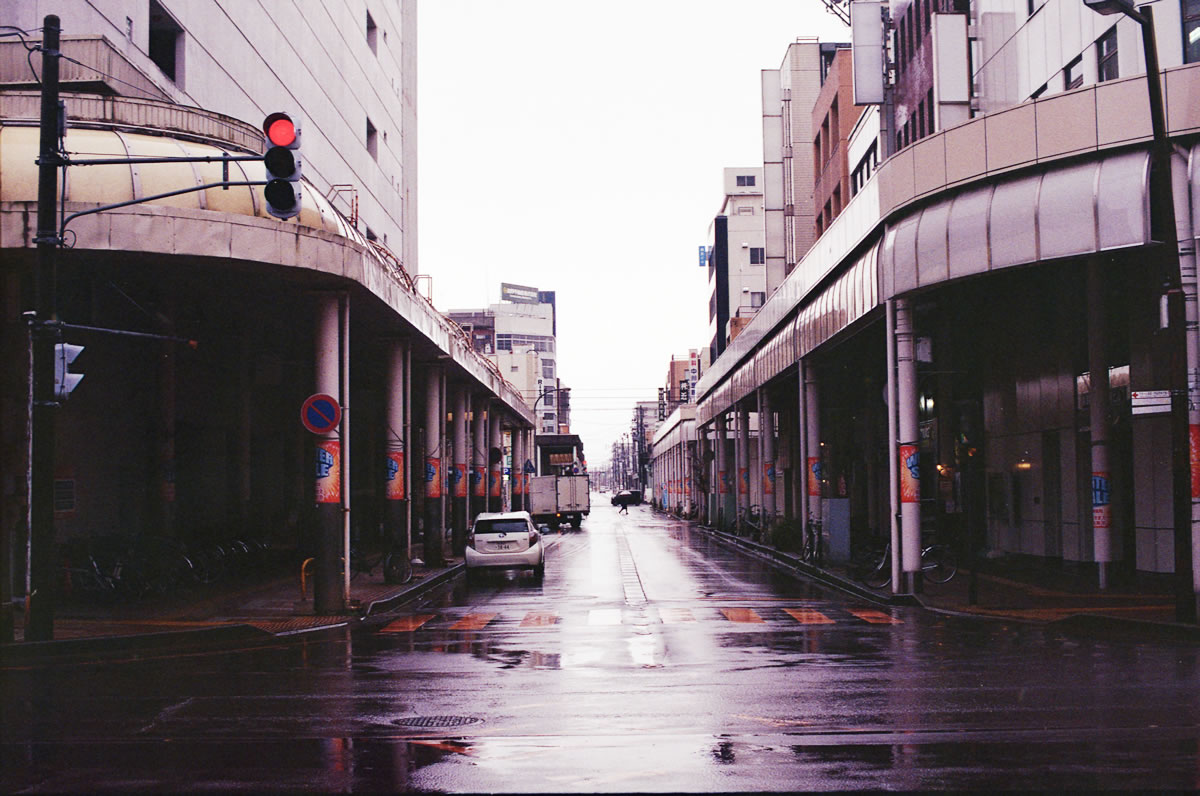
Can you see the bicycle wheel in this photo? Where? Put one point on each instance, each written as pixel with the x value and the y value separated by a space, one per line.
pixel 808 551
pixel 879 574
pixel 938 563
pixel 397 568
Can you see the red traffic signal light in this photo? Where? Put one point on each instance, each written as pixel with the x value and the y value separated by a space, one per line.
pixel 282 161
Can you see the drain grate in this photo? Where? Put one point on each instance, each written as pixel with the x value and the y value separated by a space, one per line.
pixel 436 721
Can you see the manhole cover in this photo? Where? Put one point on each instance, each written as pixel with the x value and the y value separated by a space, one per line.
pixel 436 721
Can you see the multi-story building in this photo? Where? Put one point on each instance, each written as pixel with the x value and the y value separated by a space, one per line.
pixel 789 94
pixel 990 296
pixel 737 272
pixel 834 119
pixel 520 332
pixel 203 441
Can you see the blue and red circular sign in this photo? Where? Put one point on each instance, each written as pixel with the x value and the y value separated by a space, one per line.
pixel 320 413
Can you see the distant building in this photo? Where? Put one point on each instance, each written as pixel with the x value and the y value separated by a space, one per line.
pixel 834 118
pixel 737 257
pixel 518 334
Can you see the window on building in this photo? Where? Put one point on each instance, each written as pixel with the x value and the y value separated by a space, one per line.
pixel 865 168
pixel 1191 31
pixel 547 368
pixel 920 120
pixel 758 255
pixel 712 307
pixel 1106 56
pixel 745 180
pixel 1041 90
pixel 757 299
pixel 1073 74
pixel 372 34
pixel 548 396
pixel 745 210
pixel 515 368
pixel 166 43
pixel 372 140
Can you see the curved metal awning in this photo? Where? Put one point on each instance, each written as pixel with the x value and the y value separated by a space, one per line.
pixel 1075 209
pixel 103 185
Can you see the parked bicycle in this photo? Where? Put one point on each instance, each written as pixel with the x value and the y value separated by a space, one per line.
pixel 751 521
pixel 810 549
pixel 938 564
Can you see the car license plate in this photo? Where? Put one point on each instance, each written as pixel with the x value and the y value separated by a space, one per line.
pixel 502 545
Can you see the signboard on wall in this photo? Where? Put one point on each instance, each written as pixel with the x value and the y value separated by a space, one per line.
pixel 519 294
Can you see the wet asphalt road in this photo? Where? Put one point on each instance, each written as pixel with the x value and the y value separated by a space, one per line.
pixel 649 659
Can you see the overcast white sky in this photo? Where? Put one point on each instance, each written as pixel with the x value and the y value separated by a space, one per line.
pixel 578 147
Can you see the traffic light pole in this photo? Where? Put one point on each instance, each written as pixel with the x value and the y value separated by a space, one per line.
pixel 39 578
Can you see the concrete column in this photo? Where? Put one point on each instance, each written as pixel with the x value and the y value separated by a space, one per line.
pixel 741 477
pixel 908 455
pixel 396 498
pixel 1098 392
pixel 166 418
pixel 814 477
pixel 723 479
pixel 458 476
pixel 1186 234
pixel 435 419
pixel 495 469
pixel 328 592
pixel 766 432
pixel 517 476
pixel 478 457
pixel 893 400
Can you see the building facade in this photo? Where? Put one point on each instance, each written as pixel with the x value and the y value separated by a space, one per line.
pixel 961 353
pixel 219 342
pixel 737 259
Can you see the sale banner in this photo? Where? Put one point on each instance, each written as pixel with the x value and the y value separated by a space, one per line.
pixel 1195 456
pixel 1101 501
pixel 743 481
pixel 814 476
pixel 458 480
pixel 516 480
pixel 910 474
pixel 768 478
pixel 479 480
pixel 329 471
pixel 433 477
pixel 494 482
pixel 394 473
pixel 723 482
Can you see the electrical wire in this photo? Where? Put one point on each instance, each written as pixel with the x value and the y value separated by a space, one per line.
pixel 113 78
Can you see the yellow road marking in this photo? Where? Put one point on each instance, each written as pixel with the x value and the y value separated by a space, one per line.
pixel 473 622
pixel 806 617
pixel 406 624
pixel 877 617
pixel 674 616
pixel 539 619
pixel 744 615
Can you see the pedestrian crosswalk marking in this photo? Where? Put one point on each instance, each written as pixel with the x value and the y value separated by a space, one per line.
pixel 473 622
pixel 611 617
pixel 808 617
pixel 604 616
pixel 675 616
pixel 742 615
pixel 876 617
pixel 407 624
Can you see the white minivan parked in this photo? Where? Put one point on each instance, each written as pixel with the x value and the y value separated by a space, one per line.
pixel 506 540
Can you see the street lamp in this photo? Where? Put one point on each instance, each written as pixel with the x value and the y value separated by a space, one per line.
pixel 1162 201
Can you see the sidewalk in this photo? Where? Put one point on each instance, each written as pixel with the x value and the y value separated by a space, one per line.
pixel 1013 590
pixel 227 614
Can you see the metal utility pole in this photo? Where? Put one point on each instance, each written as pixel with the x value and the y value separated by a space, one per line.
pixel 39 579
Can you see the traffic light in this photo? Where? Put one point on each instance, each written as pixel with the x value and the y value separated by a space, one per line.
pixel 64 379
pixel 282 160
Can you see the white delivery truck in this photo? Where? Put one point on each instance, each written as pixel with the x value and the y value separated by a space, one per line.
pixel 555 499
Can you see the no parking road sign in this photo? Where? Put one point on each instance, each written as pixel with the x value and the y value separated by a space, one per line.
pixel 320 413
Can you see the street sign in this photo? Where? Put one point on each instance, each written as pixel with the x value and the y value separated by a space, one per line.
pixel 1149 402
pixel 320 413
